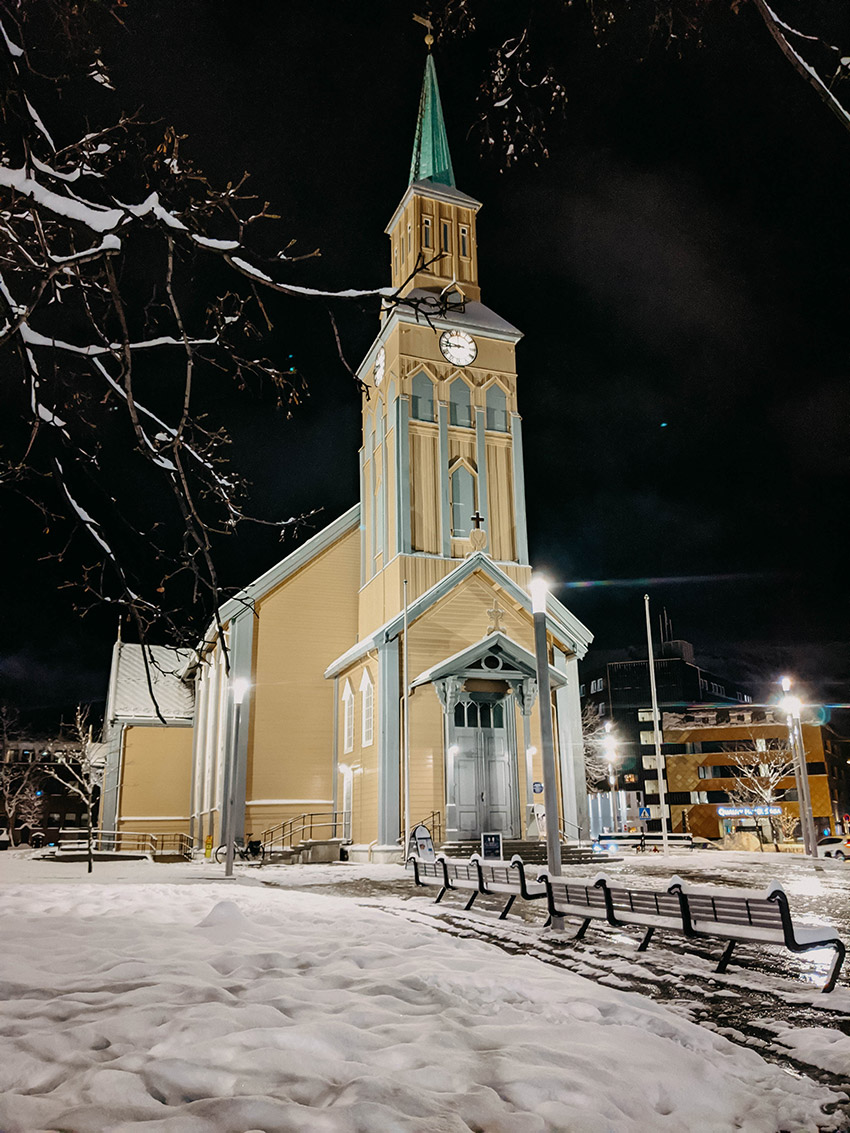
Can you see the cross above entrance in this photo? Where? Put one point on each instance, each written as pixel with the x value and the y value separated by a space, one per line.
pixel 477 520
pixel 496 614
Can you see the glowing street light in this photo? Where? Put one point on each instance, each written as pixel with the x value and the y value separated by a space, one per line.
pixel 609 747
pixel 791 706
pixel 238 688
pixel 539 593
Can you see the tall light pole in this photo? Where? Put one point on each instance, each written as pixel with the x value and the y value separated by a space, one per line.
pixel 609 746
pixel 539 592
pixel 791 706
pixel 238 688
pixel 656 729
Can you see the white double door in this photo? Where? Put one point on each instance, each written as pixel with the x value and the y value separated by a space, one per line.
pixel 484 781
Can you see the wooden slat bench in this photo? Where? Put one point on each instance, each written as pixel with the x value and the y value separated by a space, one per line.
pixel 734 916
pixel 477 876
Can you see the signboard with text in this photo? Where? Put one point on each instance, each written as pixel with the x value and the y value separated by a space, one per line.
pixel 421 844
pixel 491 846
pixel 748 811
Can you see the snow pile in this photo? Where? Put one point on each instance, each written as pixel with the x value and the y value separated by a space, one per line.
pixel 211 1008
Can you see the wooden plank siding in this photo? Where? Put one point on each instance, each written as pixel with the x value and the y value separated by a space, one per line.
pixel 156 776
pixel 301 626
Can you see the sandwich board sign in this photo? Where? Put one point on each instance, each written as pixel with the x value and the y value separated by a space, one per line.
pixel 421 844
pixel 491 846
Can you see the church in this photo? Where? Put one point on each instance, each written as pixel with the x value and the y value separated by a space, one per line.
pixel 383 674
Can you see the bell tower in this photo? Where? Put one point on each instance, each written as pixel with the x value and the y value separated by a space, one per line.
pixel 442 442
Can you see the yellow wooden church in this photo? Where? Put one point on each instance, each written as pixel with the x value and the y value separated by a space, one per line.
pixel 383 673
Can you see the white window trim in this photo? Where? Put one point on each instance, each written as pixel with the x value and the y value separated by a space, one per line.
pixel 348 719
pixel 367 709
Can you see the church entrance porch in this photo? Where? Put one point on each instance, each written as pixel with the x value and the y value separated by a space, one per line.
pixel 482 748
pixel 487 693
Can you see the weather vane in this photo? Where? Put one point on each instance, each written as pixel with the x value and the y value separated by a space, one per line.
pixel 426 23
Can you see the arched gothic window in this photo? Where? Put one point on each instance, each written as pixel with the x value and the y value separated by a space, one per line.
pixel 422 400
pixel 463 501
pixel 460 411
pixel 497 409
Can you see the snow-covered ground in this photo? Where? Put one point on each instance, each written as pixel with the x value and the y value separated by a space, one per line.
pixel 164 998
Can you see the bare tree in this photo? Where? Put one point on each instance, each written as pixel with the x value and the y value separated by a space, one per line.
pixel 534 44
pixel 760 765
pixel 132 292
pixel 17 782
pixel 81 772
pixel 30 811
pixel 595 763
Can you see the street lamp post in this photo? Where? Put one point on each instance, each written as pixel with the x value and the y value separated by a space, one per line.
pixel 609 746
pixel 539 592
pixel 791 706
pixel 238 688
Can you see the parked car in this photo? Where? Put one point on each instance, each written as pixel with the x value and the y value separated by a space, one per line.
pixel 4 839
pixel 834 846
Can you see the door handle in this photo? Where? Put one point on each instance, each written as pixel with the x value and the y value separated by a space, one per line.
pixel 482 796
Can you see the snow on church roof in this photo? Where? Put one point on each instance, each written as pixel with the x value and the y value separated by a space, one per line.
pixel 129 693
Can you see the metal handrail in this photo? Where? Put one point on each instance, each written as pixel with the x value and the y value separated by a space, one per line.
pixel 128 841
pixel 304 827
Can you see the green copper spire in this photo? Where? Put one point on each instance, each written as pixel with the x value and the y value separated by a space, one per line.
pixel 431 158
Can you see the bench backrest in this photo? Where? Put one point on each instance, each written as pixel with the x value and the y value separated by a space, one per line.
pixel 646 902
pixel 499 875
pixel 576 893
pixel 756 911
pixel 462 871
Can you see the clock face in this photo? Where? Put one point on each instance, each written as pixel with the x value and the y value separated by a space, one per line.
pixel 458 347
pixel 380 361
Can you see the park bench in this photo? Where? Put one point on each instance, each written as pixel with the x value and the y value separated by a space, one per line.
pixel 477 876
pixel 734 916
pixel 640 842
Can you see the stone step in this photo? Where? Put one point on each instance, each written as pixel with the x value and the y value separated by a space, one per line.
pixel 530 851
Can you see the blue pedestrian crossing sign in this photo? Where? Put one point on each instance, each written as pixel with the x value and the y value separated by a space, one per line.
pixel 643 812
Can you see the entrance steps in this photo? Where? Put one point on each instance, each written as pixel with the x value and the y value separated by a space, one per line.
pixel 311 850
pixel 533 852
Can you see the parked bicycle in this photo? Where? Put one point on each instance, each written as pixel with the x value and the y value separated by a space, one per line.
pixel 252 850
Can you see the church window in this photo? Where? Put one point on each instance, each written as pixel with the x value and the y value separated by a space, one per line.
pixel 422 401
pixel 464 241
pixel 460 715
pixel 395 258
pixel 445 245
pixel 484 711
pixel 347 719
pixel 460 412
pixel 472 715
pixel 426 232
pixel 497 410
pixel 498 715
pixel 463 501
pixel 409 237
pixel 367 708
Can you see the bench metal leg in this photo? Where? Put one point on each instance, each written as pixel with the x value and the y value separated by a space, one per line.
pixel 726 957
pixel 644 944
pixel 440 895
pixel 471 901
pixel 585 924
pixel 548 921
pixel 835 968
pixel 507 907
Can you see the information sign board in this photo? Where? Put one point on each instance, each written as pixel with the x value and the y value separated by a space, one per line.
pixel 491 846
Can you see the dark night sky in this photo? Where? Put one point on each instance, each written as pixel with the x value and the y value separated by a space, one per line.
pixel 681 258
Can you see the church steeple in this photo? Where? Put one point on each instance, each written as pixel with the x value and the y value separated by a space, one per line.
pixel 431 158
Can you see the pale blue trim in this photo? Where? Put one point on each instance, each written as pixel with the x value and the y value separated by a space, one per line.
pixel 403 473
pixel 389 743
pixel 384 496
pixel 288 566
pixel 519 491
pixel 362 514
pixel 571 748
pixel 241 662
pixel 481 461
pixel 445 503
pixel 563 625
pixel 393 504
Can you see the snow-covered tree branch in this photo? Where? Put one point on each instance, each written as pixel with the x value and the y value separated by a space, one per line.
pixel 536 46
pixel 760 767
